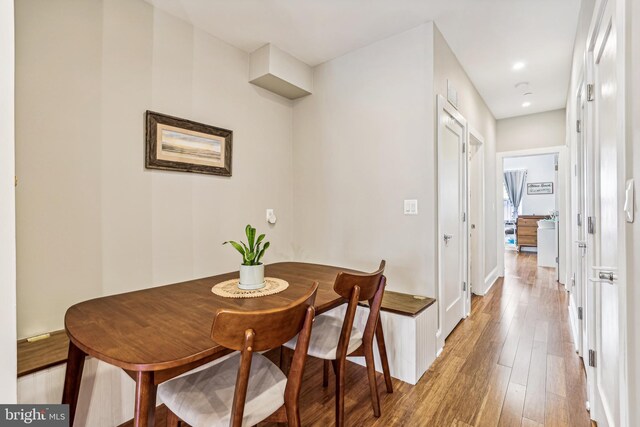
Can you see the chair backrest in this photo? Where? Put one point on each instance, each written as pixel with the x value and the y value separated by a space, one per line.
pixel 250 331
pixel 356 288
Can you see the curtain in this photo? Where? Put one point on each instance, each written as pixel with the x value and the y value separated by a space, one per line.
pixel 514 182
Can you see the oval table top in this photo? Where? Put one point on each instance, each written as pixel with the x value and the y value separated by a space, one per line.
pixel 169 326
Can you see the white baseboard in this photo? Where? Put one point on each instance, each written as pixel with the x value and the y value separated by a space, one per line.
pixel 489 281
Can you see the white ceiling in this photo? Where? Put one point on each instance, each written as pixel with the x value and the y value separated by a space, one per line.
pixel 487 36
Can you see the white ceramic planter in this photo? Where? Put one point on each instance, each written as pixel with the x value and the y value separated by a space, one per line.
pixel 251 277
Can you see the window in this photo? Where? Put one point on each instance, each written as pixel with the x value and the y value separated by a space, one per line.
pixel 508 206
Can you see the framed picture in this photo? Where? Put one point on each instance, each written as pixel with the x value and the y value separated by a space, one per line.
pixel 540 188
pixel 186 146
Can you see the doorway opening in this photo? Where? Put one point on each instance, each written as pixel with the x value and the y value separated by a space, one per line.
pixel 530 218
pixel 530 206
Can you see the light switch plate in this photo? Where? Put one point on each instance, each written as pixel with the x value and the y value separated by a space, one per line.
pixel 411 207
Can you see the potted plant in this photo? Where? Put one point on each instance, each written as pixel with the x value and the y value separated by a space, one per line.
pixel 251 269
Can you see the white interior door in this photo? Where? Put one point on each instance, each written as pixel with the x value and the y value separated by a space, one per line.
pixel 452 134
pixel 605 231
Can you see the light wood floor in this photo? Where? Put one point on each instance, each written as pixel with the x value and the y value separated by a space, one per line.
pixel 511 363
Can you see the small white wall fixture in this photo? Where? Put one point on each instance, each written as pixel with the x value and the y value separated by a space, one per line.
pixel 275 70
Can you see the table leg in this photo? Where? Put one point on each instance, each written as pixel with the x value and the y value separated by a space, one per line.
pixel 72 378
pixel 145 405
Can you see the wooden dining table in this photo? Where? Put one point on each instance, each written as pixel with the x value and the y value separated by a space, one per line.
pixel 159 333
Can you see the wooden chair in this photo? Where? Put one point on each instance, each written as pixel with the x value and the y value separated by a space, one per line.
pixel 225 395
pixel 334 338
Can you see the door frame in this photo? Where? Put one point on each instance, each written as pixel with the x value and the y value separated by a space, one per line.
pixel 478 280
pixel 8 375
pixel 443 105
pixel 579 182
pixel 565 203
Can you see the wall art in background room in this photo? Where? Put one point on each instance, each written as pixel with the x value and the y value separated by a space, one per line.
pixel 540 188
pixel 186 146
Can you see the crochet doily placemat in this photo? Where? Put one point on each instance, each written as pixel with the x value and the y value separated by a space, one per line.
pixel 230 289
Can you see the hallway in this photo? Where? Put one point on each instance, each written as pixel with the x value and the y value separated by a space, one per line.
pixel 511 363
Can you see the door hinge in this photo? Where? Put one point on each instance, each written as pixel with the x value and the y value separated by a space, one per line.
pixel 579 218
pixel 591 225
pixel 464 147
pixel 578 126
pixel 592 358
pixel 590 93
pixel 579 313
pixel 464 286
pixel 464 216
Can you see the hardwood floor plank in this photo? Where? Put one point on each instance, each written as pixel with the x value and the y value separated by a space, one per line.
pixel 433 399
pixel 520 371
pixel 542 331
pixel 489 413
pixel 526 422
pixel 556 412
pixel 536 384
pixel 513 405
pixel 555 375
pixel 508 353
pixel 458 423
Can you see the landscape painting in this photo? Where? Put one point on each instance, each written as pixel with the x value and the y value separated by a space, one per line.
pixel 187 146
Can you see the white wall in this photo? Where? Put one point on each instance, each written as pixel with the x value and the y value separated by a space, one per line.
pixel 91 220
pixel 363 142
pixel 480 118
pixel 532 131
pixel 7 209
pixel 539 169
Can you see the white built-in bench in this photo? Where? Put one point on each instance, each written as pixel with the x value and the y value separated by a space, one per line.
pixel 409 323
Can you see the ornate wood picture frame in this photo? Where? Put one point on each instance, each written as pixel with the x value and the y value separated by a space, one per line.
pixel 186 146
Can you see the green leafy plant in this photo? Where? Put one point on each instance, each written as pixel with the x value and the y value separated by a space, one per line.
pixel 252 252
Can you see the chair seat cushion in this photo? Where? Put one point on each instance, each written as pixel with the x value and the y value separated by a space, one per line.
pixel 325 335
pixel 205 398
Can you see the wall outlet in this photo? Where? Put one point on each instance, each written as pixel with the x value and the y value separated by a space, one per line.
pixel 411 207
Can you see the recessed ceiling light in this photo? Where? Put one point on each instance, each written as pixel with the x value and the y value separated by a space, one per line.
pixel 526 104
pixel 518 66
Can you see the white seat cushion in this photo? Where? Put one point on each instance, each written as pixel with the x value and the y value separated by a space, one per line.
pixel 325 335
pixel 205 398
